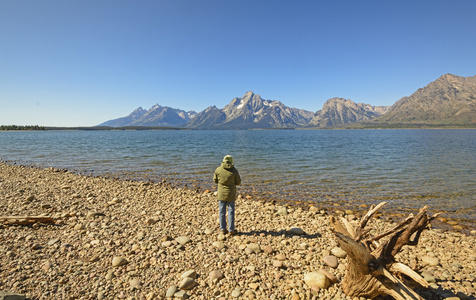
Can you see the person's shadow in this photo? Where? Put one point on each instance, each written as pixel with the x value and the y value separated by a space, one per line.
pixel 286 233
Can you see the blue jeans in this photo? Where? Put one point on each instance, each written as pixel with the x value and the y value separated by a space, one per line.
pixel 231 214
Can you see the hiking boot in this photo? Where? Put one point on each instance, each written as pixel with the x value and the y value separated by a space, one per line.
pixel 224 231
pixel 233 232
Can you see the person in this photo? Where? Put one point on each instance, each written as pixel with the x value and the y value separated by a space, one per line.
pixel 227 177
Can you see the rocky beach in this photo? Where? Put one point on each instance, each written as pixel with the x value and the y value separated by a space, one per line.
pixel 122 239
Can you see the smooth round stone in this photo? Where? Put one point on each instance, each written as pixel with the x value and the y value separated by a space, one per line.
pixel 331 261
pixel 216 275
pixel 254 247
pixel 280 257
pixel 187 283
pixel 190 274
pixel 183 240
pixel 277 263
pixel 218 245
pixel 110 275
pixel 236 293
pixel 297 231
pixel 268 249
pixel 316 280
pixel 338 252
pixel 171 291
pixel 119 261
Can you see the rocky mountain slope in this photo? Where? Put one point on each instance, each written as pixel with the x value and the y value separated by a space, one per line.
pixel 156 116
pixel 450 99
pixel 251 111
pixel 340 111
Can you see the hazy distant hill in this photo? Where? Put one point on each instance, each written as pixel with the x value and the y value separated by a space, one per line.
pixel 450 99
pixel 339 111
pixel 156 116
pixel 251 111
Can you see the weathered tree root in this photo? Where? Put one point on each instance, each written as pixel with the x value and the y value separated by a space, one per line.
pixel 26 220
pixel 372 269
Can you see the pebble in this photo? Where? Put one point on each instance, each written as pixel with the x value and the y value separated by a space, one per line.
pixel 218 245
pixel 190 274
pixel 331 261
pixel 216 275
pixel 187 283
pixel 183 240
pixel 277 263
pixel 329 275
pixel 297 230
pixel 338 252
pixel 236 293
pixel 253 247
pixel 119 261
pixel 171 291
pixel 135 283
pixel 316 280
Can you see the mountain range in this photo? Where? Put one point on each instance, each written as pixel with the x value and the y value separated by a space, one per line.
pixel 156 116
pixel 449 100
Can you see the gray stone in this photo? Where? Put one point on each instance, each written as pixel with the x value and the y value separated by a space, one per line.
pixel 297 230
pixel 181 295
pixel 119 261
pixel 187 284
pixel 110 275
pixel 52 242
pixel 190 274
pixel 171 291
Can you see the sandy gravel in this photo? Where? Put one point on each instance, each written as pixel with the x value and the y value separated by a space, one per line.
pixel 117 239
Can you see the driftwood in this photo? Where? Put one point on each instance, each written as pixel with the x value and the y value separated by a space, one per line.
pixel 372 269
pixel 26 220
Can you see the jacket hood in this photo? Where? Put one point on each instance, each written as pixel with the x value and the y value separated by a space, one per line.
pixel 227 162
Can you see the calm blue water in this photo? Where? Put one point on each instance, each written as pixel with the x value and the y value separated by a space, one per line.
pixel 407 168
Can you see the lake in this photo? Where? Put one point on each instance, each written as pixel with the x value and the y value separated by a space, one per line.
pixel 408 168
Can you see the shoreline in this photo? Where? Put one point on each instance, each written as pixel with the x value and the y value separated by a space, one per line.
pixel 99 219
pixel 337 207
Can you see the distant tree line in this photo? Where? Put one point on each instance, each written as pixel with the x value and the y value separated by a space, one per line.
pixel 22 127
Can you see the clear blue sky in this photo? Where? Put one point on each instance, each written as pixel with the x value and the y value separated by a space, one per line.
pixel 80 63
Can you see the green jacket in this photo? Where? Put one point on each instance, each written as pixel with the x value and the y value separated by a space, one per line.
pixel 227 178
